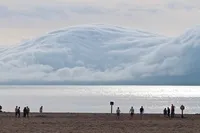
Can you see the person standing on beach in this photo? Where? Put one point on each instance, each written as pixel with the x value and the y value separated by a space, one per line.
pixel 27 111
pixel 165 112
pixel 131 112
pixel 16 111
pixel 118 112
pixel 168 112
pixel 172 111
pixel 141 111
pixel 24 112
pixel 41 109
pixel 0 108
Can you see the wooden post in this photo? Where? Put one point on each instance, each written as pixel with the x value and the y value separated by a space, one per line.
pixel 111 104
pixel 181 113
pixel 182 108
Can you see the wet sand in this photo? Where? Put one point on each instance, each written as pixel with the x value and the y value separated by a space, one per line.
pixel 97 123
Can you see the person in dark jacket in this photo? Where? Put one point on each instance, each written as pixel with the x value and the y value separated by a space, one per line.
pixel 172 111
pixel 141 111
pixel 24 112
pixel 18 112
pixel 165 112
pixel 168 112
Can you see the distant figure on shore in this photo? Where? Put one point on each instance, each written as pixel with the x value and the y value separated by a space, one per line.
pixel 131 112
pixel 27 111
pixel 18 112
pixel 118 112
pixel 141 111
pixel 172 111
pixel 168 112
pixel 24 112
pixel 0 108
pixel 165 112
pixel 41 109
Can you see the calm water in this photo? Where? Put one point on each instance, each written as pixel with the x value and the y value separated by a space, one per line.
pixel 97 98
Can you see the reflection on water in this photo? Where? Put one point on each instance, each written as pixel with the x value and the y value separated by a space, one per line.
pixel 97 98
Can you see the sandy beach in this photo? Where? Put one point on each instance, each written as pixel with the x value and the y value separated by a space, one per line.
pixel 97 123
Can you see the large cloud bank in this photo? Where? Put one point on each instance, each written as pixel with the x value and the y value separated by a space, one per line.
pixel 100 54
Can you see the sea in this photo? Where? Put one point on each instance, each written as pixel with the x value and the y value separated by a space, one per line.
pixel 96 99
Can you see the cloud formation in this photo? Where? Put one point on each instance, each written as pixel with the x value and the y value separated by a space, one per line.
pixel 24 19
pixel 100 54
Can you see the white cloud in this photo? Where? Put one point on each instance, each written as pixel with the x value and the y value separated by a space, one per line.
pixel 119 54
pixel 33 18
pixel 100 54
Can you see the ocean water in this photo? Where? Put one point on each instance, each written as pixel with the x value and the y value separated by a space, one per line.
pixel 96 99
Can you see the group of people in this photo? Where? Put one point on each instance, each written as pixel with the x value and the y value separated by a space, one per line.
pixel 26 111
pixel 167 111
pixel 17 111
pixel 131 112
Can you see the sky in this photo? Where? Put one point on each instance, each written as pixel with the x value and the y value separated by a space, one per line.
pixel 81 42
pixel 22 19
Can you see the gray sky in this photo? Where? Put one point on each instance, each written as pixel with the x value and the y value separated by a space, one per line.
pixel 25 19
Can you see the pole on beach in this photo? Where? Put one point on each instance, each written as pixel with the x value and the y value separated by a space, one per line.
pixel 182 108
pixel 111 104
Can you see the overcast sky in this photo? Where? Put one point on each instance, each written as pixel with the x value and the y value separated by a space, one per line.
pixel 25 19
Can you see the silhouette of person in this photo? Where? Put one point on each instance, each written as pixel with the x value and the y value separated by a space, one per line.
pixel 141 111
pixel 168 112
pixel 27 111
pixel 24 112
pixel 131 112
pixel 0 108
pixel 172 110
pixel 16 111
pixel 41 109
pixel 165 112
pixel 118 112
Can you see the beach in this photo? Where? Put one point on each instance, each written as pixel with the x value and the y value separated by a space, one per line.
pixel 98 123
pixel 90 106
